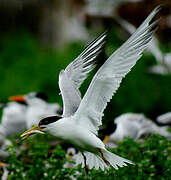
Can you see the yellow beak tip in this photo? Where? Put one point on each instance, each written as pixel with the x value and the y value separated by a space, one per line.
pixel 31 131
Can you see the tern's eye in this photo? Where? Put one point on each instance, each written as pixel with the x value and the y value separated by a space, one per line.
pixel 49 120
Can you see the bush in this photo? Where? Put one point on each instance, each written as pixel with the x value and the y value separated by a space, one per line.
pixel 37 159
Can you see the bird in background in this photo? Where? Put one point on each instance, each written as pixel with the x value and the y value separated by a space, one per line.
pixel 104 8
pixel 163 60
pixel 164 118
pixel 135 126
pixel 81 119
pixel 13 118
pixel 22 114
pixel 37 107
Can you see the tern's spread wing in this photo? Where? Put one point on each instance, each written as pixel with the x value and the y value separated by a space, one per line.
pixel 72 77
pixel 108 78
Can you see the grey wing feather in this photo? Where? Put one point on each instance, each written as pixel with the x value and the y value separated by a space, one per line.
pixel 75 73
pixel 108 78
pixel 84 63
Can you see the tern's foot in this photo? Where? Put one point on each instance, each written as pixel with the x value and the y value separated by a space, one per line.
pixel 85 164
pixel 87 169
pixel 104 159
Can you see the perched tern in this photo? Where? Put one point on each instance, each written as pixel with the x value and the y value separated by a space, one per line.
pixel 127 125
pixel 13 121
pixel 164 118
pixel 81 119
pixel 24 111
pixel 134 125
pixel 13 118
pixel 37 107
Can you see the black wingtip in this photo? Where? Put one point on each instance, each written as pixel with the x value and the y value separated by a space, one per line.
pixel 107 31
pixel 103 34
pixel 155 23
pixel 158 8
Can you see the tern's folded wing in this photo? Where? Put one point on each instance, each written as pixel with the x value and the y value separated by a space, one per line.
pixel 108 78
pixel 72 77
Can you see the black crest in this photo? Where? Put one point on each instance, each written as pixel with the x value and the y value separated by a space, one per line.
pixel 22 102
pixel 49 120
pixel 42 96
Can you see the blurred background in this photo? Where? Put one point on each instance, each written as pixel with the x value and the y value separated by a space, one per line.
pixel 39 38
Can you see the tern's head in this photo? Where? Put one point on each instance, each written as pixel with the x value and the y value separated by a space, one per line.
pixel 31 98
pixel 43 125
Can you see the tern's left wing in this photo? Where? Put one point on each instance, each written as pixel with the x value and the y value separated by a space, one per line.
pixel 108 78
pixel 75 73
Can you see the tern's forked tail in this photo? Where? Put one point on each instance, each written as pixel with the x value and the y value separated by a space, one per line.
pixel 115 160
pixel 94 160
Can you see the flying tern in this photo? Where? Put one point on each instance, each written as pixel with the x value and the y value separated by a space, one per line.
pixel 81 119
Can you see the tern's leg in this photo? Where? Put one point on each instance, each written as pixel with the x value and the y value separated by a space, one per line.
pixel 104 159
pixel 85 164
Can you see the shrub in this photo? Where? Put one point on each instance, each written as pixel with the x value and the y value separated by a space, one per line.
pixel 37 159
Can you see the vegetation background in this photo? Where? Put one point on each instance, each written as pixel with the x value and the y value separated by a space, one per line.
pixel 38 40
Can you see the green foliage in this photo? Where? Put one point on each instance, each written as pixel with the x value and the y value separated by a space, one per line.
pixel 37 159
pixel 26 67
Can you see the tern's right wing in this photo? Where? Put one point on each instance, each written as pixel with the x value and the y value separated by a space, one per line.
pixel 108 78
pixel 75 73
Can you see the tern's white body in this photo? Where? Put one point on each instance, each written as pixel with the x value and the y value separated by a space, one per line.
pixel 13 118
pixel 84 117
pixel 66 129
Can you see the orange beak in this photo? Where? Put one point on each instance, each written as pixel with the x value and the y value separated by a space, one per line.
pixel 18 98
pixel 33 130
